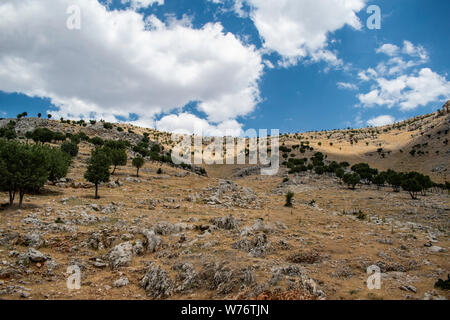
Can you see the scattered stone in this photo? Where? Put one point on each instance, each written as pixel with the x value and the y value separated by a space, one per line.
pixel 121 255
pixel 157 284
pixel 122 282
pixel 227 223
pixel 256 247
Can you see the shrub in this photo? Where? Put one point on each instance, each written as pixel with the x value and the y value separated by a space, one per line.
pixel 289 198
pixel 339 172
pixel 97 141
pixel 58 164
pixel 351 179
pixel 70 148
pixel 98 168
pixel 107 125
pixel 159 171
pixel 319 170
pixel 8 132
pixel 379 179
pixel 42 135
pixel 394 179
pixel 364 171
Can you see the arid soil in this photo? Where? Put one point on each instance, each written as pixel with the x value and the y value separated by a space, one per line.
pixel 179 235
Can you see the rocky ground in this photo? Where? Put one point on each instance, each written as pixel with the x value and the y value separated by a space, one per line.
pixel 178 235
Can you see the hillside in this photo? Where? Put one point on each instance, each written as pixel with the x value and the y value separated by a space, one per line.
pixel 174 234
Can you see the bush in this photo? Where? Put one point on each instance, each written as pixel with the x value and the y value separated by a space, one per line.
pixel 8 132
pixel 107 125
pixel 159 171
pixel 116 144
pixel 70 148
pixel 58 164
pixel 339 172
pixel 98 168
pixel 289 198
pixel 364 171
pixel 319 170
pixel 42 135
pixel 394 179
pixel 379 179
pixel 97 141
pixel 138 163
pixel 352 179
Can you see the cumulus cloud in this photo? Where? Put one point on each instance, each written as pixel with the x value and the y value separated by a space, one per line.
pixel 189 123
pixel 397 81
pixel 382 120
pixel 298 29
pixel 117 64
pixel 389 49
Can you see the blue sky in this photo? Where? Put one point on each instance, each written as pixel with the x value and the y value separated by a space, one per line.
pixel 219 64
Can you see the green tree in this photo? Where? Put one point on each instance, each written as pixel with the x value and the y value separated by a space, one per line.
pixel 23 168
pixel 42 135
pixel 98 168
pixel 118 157
pixel 351 179
pixel 138 163
pixel 365 172
pixel 97 141
pixel 379 179
pixel 394 179
pixel 339 172
pixel 319 170
pixel 413 186
pixel 8 132
pixel 58 164
pixel 70 148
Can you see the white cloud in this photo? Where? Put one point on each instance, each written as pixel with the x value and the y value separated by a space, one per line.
pixel 138 4
pixel 396 82
pixel 408 91
pixel 347 86
pixel 118 64
pixel 381 121
pixel 299 29
pixel 388 49
pixel 189 123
